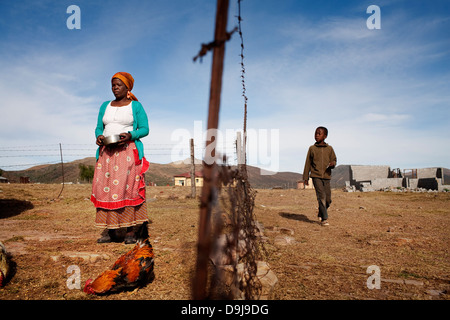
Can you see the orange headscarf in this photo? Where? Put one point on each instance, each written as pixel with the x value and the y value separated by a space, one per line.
pixel 128 80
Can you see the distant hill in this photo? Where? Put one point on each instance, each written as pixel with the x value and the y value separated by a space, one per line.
pixel 277 179
pixel 50 173
pixel 161 174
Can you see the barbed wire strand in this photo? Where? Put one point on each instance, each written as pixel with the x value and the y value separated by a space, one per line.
pixel 41 151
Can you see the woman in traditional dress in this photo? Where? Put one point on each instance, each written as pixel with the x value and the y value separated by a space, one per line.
pixel 118 188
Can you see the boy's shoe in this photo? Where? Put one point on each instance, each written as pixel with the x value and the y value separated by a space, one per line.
pixel 325 223
pixel 320 219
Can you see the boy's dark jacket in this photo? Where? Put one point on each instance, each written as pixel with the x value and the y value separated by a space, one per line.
pixel 317 160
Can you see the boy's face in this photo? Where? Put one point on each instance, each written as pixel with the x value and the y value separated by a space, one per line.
pixel 320 135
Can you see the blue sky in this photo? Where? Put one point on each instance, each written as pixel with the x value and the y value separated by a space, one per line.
pixel 383 93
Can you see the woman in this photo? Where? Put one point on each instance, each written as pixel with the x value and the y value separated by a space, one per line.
pixel 118 188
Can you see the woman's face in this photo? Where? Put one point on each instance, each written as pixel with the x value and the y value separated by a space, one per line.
pixel 119 89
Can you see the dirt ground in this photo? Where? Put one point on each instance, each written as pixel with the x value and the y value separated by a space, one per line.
pixel 405 235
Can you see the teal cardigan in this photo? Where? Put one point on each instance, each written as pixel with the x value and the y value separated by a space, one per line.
pixel 140 125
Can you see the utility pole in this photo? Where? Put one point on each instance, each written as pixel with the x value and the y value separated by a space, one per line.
pixel 193 193
pixel 209 192
pixel 62 170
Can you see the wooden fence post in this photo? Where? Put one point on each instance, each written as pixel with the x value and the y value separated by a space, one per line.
pixel 210 169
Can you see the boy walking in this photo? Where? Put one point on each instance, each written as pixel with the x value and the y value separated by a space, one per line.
pixel 319 161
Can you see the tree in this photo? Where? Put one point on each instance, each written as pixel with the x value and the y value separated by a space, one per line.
pixel 86 172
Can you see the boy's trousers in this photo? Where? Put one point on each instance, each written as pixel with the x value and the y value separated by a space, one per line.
pixel 323 193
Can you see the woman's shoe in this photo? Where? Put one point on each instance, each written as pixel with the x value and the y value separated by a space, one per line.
pixel 108 237
pixel 104 239
pixel 130 238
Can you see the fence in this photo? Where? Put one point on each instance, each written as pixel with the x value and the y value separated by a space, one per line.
pixel 16 158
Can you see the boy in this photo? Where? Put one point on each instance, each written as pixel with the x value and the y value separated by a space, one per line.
pixel 320 160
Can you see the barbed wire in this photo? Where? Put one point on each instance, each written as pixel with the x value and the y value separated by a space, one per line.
pixel 29 164
pixel 244 90
pixel 71 152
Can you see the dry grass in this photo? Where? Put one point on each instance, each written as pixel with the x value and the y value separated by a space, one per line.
pixel 406 235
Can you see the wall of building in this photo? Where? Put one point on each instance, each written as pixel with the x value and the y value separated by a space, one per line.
pixel 186 182
pixel 368 173
pixel 373 178
pixel 382 183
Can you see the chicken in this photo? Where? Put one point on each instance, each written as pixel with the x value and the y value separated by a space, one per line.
pixel 5 265
pixel 132 270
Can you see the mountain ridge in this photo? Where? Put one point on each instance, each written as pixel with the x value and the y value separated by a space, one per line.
pixel 162 174
pixel 159 174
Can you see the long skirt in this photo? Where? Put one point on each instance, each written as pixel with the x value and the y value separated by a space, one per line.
pixel 118 188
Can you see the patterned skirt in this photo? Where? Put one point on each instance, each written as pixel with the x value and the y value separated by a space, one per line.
pixel 118 188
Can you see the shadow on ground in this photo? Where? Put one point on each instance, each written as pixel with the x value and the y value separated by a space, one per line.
pixel 13 207
pixel 296 216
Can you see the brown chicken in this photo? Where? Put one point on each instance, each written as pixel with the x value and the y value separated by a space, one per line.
pixel 132 270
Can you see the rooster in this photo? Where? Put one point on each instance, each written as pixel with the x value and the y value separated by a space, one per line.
pixel 132 270
pixel 5 265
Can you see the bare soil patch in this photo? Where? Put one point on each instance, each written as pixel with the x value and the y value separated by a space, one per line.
pixel 405 234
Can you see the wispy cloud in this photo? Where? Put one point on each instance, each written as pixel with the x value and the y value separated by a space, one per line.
pixel 385 118
pixel 371 88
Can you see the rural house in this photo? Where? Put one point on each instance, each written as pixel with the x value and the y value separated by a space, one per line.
pixel 184 179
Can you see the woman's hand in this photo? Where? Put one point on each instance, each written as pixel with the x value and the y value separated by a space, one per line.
pixel 99 140
pixel 124 137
